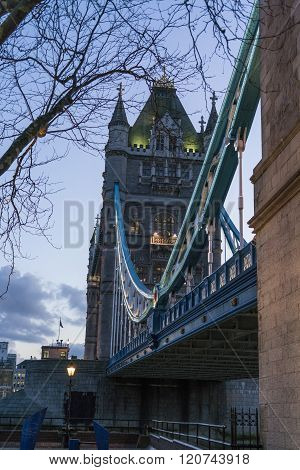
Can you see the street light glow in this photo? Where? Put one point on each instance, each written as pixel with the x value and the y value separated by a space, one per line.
pixel 71 370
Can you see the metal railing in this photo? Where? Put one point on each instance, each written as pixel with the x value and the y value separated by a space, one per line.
pixel 241 263
pixel 111 424
pixel 245 429
pixel 135 343
pixel 201 435
pixel 236 266
pixel 243 432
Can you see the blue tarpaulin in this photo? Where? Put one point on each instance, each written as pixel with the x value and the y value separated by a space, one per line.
pixel 30 430
pixel 102 436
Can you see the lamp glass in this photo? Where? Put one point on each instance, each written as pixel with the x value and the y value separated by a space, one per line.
pixel 71 369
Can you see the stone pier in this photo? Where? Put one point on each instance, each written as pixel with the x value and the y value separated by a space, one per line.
pixel 277 225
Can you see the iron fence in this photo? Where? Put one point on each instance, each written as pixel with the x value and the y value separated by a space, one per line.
pixel 245 429
pixel 243 432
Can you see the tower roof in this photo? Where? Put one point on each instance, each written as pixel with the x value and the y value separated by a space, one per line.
pixel 164 81
pixel 163 99
pixel 119 115
pixel 213 117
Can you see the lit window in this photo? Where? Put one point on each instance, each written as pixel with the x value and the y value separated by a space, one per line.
pixel 63 355
pixel 45 354
pixel 135 227
pixel 142 273
pixel 164 225
pixel 157 273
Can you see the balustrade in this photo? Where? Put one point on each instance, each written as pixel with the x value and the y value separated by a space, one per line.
pixel 227 273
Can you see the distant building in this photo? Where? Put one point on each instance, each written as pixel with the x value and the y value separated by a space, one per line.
pixel 59 350
pixel 19 377
pixel 7 369
pixel 3 351
pixel 6 379
pixel 12 359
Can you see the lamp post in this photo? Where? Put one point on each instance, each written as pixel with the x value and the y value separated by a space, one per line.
pixel 71 369
pixel 240 145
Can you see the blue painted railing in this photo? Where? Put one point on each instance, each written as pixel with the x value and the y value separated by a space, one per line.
pixel 134 344
pixel 234 269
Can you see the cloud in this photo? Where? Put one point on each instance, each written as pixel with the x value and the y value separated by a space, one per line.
pixel 74 304
pixel 23 312
pixel 74 296
pixel 30 310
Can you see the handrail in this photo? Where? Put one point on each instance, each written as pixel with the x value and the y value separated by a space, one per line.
pixel 193 436
pixel 237 260
pixel 193 423
pixel 191 433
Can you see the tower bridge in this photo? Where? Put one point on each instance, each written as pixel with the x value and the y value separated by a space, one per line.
pixel 195 224
pixel 162 309
pixel 176 336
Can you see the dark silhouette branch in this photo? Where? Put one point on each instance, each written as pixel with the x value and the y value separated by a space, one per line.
pixel 17 13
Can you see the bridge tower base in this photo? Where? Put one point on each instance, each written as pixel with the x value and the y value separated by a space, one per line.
pixel 276 222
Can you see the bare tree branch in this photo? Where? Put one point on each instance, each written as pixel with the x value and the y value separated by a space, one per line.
pixel 16 16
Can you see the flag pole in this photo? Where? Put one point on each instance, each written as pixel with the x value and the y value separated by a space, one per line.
pixel 59 329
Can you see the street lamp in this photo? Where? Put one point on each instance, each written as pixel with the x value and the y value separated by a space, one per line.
pixel 71 369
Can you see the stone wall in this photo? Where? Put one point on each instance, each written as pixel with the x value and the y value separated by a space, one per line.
pixel 127 398
pixel 277 226
pixel 45 386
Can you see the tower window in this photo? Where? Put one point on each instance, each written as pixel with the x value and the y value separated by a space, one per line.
pixel 160 141
pixel 135 227
pixel 172 143
pixel 185 172
pixel 146 169
pixel 157 273
pixel 172 171
pixel 160 171
pixel 142 273
pixel 164 225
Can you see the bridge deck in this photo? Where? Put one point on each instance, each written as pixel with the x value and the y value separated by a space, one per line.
pixel 228 351
pixel 211 334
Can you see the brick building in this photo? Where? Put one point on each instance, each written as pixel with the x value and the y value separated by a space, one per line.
pixel 59 350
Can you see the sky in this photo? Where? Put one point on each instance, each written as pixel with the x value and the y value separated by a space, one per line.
pixel 50 283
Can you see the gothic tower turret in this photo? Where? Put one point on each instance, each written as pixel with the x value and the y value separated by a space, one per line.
pixel 212 121
pixel 118 126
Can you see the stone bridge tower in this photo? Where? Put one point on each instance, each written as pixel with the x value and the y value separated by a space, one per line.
pixel 156 162
pixel 276 222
